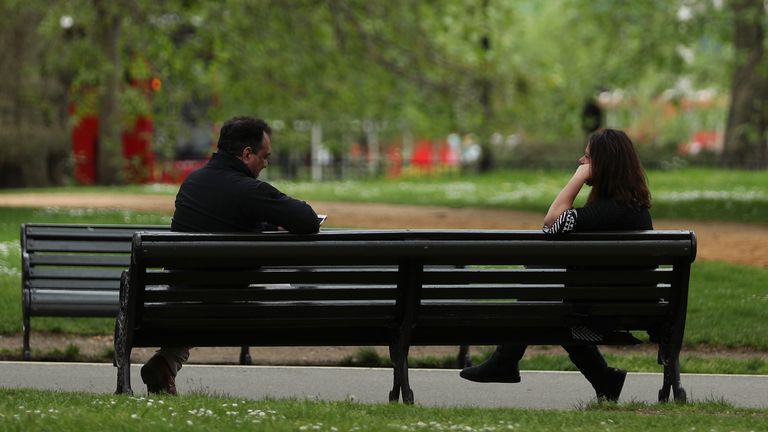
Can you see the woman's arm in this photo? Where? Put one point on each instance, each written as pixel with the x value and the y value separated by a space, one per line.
pixel 565 198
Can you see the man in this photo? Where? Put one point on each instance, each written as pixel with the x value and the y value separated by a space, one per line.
pixel 226 196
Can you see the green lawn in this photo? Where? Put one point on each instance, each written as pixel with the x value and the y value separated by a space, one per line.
pixel 709 194
pixel 28 410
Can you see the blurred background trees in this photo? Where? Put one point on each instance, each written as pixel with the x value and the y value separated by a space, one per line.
pixel 514 74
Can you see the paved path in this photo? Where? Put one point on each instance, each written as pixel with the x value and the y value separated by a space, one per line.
pixel 550 390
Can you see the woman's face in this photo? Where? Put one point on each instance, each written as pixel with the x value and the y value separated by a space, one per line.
pixel 586 158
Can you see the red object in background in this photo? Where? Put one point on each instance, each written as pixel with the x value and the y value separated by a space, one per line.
pixel 709 140
pixel 422 154
pixel 85 137
pixel 137 152
pixel 176 171
pixel 138 157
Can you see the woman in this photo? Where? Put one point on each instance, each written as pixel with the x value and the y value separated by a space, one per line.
pixel 619 200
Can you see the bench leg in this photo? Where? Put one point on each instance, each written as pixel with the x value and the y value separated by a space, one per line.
pixel 245 356
pixel 463 360
pixel 123 341
pixel 670 359
pixel 122 358
pixel 394 356
pixel 124 377
pixel 399 356
pixel 26 352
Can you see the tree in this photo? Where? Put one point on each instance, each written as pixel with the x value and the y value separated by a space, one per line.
pixel 745 137
pixel 109 23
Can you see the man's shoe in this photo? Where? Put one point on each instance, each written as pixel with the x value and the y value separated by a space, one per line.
pixel 158 377
pixel 609 385
pixel 495 369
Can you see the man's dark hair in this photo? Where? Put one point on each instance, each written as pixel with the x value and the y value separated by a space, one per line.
pixel 238 133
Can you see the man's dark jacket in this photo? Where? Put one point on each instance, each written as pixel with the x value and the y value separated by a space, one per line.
pixel 224 196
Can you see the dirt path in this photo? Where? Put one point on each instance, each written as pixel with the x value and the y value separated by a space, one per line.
pixel 717 241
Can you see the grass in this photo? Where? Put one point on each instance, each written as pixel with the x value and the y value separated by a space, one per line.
pixel 691 193
pixel 31 410
pixel 628 358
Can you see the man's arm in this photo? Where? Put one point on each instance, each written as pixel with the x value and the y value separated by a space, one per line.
pixel 268 204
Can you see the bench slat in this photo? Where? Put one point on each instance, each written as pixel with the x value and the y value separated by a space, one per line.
pixel 245 323
pixel 269 293
pixel 271 310
pixel 74 303
pixel 95 245
pixel 549 276
pixel 545 292
pixel 440 310
pixel 75 273
pixel 272 276
pixel 75 284
pixel 89 231
pixel 84 260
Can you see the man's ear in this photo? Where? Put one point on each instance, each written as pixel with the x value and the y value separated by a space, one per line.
pixel 246 152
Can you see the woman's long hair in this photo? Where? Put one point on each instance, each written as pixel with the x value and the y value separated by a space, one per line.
pixel 616 170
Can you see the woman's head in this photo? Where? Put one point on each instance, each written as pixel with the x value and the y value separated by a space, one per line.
pixel 616 171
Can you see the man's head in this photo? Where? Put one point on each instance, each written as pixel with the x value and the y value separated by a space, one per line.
pixel 248 139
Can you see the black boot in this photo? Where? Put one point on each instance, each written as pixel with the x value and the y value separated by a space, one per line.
pixel 500 367
pixel 608 384
pixel 606 381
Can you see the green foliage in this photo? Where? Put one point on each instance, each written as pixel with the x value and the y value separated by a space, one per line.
pixel 41 410
pixel 427 67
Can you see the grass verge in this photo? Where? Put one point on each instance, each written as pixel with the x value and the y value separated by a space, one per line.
pixel 629 360
pixel 32 410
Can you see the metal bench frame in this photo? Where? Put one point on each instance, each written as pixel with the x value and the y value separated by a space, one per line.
pixel 73 270
pixel 382 288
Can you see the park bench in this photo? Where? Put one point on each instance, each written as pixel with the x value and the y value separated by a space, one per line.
pixel 382 288
pixel 73 270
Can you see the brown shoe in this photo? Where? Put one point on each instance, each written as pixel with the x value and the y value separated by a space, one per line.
pixel 158 377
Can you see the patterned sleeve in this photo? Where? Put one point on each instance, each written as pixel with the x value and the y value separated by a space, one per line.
pixel 563 224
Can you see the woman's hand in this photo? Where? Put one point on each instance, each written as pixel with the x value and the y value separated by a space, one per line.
pixel 584 173
pixel 565 198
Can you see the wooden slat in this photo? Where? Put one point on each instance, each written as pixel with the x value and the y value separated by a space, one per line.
pixel 549 276
pixel 106 246
pixel 544 292
pixel 307 293
pixel 243 323
pixel 272 276
pixel 279 311
pixel 87 260
pixel 75 284
pixel 75 273
pixel 64 231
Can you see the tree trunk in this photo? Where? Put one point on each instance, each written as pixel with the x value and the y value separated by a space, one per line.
pixel 109 151
pixel 745 134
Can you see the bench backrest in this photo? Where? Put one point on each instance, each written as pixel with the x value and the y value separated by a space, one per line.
pixel 74 269
pixel 358 287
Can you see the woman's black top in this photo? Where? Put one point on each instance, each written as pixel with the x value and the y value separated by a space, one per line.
pixel 602 215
